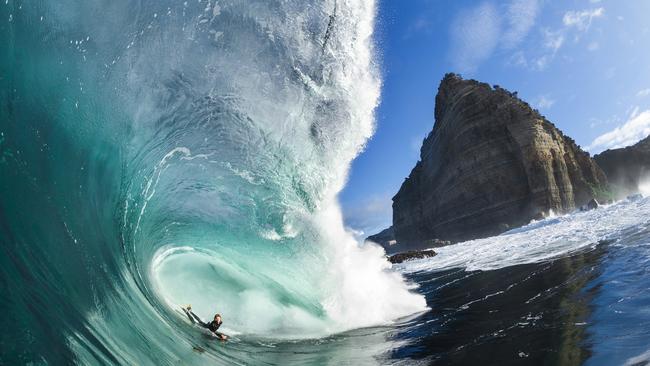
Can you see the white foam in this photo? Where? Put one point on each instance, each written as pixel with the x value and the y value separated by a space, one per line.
pixel 244 296
pixel 538 241
pixel 360 288
pixel 642 359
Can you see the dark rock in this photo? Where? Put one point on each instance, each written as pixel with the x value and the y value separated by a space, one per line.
pixel 406 256
pixel 626 168
pixel 490 163
pixel 634 197
pixel 591 205
pixel 385 238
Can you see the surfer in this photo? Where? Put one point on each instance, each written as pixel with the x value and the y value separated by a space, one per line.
pixel 211 326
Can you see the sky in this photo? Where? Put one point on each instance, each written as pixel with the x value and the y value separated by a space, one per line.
pixel 584 64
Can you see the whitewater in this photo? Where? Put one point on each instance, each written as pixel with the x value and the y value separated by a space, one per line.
pixel 155 154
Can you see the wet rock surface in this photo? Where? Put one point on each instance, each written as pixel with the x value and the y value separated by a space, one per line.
pixel 410 255
pixel 591 205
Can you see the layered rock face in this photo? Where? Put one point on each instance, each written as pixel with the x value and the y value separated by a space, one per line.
pixel 491 163
pixel 626 168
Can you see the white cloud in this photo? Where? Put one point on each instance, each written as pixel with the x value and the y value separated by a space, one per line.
pixel 541 62
pixel 544 102
pixel 421 25
pixel 643 93
pixel 553 40
pixel 475 34
pixel 372 214
pixel 632 111
pixel 520 16
pixel 573 23
pixel 635 129
pixel 478 31
pixel 518 59
pixel 581 20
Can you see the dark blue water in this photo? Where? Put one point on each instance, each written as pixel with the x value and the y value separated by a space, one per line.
pixel 589 307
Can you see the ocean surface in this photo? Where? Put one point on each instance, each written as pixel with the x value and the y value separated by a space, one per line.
pixel 155 154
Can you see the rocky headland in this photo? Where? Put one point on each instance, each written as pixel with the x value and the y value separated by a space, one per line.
pixel 490 163
pixel 626 168
pixel 385 238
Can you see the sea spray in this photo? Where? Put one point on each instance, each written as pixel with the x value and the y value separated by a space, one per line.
pixel 540 241
pixel 361 288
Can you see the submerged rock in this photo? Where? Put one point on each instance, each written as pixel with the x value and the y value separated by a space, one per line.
pixel 634 197
pixel 490 163
pixel 386 238
pixel 591 205
pixel 415 254
pixel 626 168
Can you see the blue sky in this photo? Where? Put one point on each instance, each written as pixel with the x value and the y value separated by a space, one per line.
pixel 584 64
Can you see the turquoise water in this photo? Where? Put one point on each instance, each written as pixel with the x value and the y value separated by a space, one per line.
pixel 160 153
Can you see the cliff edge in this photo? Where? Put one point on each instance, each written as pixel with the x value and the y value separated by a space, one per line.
pixel 626 168
pixel 490 163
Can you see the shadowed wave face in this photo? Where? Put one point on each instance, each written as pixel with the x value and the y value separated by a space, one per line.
pixel 159 153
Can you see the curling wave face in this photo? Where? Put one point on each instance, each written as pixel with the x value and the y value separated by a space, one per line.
pixel 166 152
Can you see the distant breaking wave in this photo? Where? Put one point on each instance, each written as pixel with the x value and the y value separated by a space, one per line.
pixel 541 241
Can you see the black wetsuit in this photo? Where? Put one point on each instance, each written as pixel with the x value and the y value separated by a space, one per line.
pixel 212 326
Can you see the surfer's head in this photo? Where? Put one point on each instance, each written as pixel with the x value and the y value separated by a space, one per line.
pixel 217 318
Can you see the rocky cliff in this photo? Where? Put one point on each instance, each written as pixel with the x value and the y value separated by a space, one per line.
pixel 626 168
pixel 385 238
pixel 490 163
